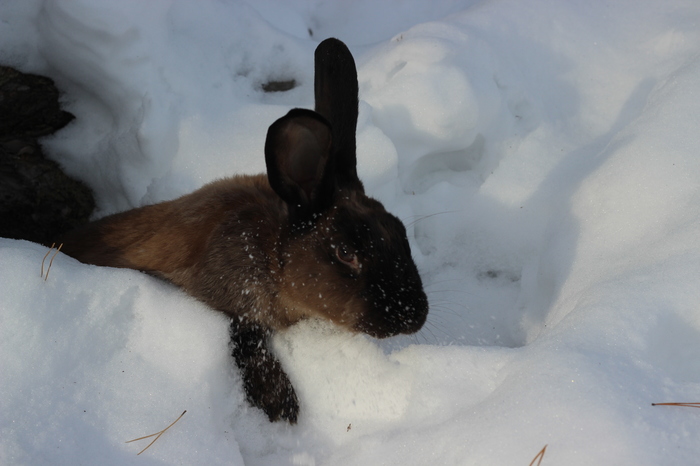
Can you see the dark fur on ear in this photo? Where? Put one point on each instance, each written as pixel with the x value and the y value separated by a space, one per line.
pixel 297 155
pixel 336 94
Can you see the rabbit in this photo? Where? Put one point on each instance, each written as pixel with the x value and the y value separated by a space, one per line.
pixel 303 241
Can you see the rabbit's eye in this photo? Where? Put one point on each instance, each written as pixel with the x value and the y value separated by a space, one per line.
pixel 347 257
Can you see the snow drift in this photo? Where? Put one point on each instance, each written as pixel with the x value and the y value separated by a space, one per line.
pixel 542 154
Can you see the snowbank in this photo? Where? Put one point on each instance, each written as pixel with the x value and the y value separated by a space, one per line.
pixel 543 155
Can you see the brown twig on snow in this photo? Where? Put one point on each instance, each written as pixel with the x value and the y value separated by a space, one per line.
pixel 156 435
pixel 539 456
pixel 688 405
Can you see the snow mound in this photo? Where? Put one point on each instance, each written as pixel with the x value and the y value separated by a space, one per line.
pixel 543 157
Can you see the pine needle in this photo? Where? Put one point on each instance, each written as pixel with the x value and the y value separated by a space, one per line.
pixel 156 435
pixel 539 457
pixel 51 261
pixel 44 259
pixel 688 405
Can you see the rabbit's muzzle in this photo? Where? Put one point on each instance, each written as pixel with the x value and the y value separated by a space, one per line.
pixel 393 312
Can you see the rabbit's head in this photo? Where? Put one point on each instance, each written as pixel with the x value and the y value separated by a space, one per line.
pixel 344 257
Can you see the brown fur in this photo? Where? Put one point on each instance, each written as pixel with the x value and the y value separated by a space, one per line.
pixel 220 243
pixel 224 227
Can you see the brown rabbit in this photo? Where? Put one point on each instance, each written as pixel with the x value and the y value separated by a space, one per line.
pixel 303 241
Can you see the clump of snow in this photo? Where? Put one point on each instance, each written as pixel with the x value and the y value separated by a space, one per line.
pixel 544 159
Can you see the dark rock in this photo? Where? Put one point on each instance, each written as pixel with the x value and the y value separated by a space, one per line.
pixel 38 202
pixel 29 105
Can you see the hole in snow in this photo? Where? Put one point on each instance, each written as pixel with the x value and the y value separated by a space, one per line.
pixel 279 85
pixel 455 167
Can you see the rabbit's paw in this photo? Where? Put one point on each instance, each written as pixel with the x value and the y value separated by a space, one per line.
pixel 269 388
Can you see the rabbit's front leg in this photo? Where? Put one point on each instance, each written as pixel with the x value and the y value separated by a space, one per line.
pixel 265 382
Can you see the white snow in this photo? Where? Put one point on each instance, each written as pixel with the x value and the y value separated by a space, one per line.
pixel 544 155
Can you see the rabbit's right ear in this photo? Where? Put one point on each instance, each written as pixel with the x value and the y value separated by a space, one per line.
pixel 298 159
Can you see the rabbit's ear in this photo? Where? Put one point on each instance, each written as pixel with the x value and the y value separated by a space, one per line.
pixel 335 91
pixel 297 155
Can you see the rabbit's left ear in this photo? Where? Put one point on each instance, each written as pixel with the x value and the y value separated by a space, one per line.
pixel 297 155
pixel 336 97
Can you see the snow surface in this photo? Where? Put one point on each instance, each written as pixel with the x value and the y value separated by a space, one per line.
pixel 544 155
